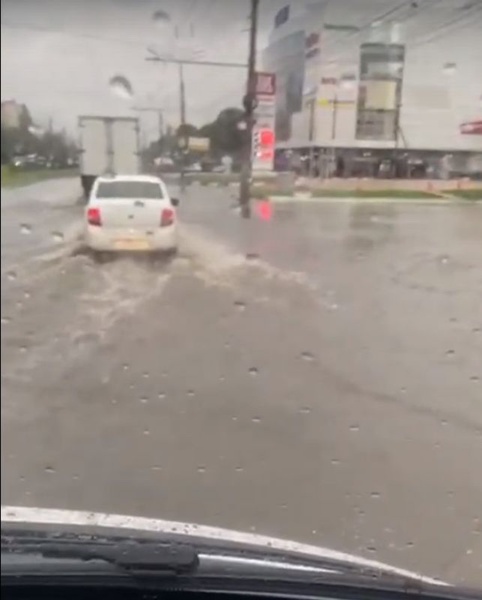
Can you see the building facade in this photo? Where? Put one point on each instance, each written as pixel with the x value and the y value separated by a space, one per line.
pixel 12 113
pixel 379 75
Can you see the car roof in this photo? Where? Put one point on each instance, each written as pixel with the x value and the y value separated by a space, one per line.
pixel 142 178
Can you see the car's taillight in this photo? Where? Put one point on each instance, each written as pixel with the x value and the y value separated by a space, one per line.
pixel 93 217
pixel 167 217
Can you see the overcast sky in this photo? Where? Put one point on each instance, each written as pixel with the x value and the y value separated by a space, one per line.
pixel 58 55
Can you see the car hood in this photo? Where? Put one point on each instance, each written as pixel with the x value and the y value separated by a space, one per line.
pixel 93 521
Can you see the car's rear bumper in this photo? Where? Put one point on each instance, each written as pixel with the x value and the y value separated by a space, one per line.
pixel 120 240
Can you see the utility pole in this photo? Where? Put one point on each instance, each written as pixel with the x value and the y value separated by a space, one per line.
pixel 182 141
pixel 160 121
pixel 181 62
pixel 249 107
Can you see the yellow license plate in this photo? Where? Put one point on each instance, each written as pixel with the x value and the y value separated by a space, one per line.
pixel 131 245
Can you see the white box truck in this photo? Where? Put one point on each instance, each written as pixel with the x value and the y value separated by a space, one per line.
pixel 108 145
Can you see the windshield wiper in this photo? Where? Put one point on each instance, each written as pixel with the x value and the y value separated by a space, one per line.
pixel 129 557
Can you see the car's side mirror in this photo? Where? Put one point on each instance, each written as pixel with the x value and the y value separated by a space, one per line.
pixel 175 201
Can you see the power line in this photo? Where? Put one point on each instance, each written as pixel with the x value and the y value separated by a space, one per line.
pixel 449 25
pixel 474 9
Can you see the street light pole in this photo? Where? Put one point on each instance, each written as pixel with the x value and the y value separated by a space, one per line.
pixel 182 91
pixel 249 106
pixel 182 112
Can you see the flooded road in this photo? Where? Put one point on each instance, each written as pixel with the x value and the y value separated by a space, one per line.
pixel 315 376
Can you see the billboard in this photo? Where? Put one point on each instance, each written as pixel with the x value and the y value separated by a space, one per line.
pixel 264 127
pixel 198 144
pixel 264 113
pixel 263 149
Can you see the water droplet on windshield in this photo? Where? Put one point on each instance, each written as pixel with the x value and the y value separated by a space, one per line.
pixel 121 87
pixel 5 320
pixel 308 356
pixel 161 395
pixel 57 236
pixel 201 469
pixel 375 495
pixel 49 469
pixel 25 228
pixel 256 420
pixel 161 18
pixel 143 399
pixel 241 306
pixel 190 393
pixel 253 371
pixel 305 410
pixel 146 432
pixel 450 352
pixel 354 427
pixel 11 275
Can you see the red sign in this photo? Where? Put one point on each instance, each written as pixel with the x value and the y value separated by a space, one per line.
pixel 265 84
pixel 266 137
pixel 472 128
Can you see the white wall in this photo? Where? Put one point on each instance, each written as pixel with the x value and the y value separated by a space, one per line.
pixel 434 103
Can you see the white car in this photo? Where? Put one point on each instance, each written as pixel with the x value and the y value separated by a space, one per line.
pixel 131 213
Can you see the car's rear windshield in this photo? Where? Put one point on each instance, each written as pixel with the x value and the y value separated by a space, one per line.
pixel 129 189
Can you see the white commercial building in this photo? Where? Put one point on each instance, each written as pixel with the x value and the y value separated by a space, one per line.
pixel 379 74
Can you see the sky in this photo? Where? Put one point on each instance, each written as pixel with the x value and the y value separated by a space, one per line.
pixel 58 56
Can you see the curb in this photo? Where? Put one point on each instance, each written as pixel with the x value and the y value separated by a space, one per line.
pixel 353 199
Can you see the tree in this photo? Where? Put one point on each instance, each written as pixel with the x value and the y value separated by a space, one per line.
pixel 186 130
pixel 224 132
pixel 25 120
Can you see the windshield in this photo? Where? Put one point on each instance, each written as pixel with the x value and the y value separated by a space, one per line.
pixel 302 359
pixel 128 189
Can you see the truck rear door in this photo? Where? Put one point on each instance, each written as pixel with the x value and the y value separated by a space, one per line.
pixel 94 158
pixel 125 146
